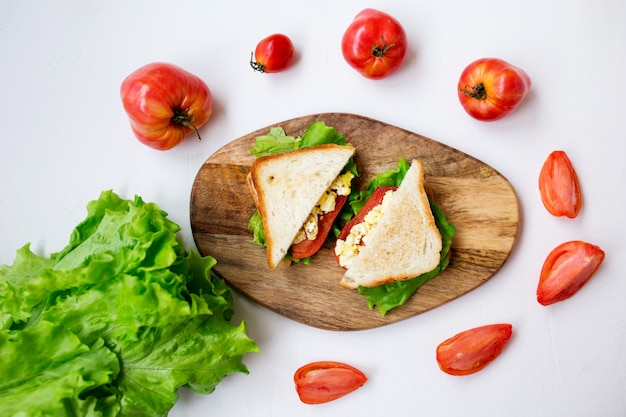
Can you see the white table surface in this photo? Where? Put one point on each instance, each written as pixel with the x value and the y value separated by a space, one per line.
pixel 65 138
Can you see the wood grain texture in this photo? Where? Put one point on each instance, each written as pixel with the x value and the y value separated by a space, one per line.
pixel 477 199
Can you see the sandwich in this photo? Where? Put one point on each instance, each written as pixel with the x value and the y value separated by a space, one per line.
pixel 396 238
pixel 298 188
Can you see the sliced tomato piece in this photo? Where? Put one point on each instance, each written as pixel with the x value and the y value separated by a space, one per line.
pixel 472 350
pixel 375 199
pixel 559 186
pixel 324 381
pixel 308 247
pixel 566 269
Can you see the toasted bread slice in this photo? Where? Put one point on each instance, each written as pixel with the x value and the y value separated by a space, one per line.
pixel 404 244
pixel 286 187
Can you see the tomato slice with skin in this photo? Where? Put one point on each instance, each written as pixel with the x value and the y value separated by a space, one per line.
pixel 375 199
pixel 309 247
pixel 165 104
pixel 566 269
pixel 472 350
pixel 324 381
pixel 559 186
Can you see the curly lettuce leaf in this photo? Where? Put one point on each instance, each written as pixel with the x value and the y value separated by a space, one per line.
pixel 276 141
pixel 255 224
pixel 318 133
pixel 47 370
pixel 23 287
pixel 125 294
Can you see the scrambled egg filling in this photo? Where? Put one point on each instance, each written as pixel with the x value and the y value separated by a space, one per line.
pixel 346 250
pixel 326 204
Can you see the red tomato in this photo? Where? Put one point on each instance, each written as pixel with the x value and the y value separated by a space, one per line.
pixel 321 382
pixel 374 44
pixel 165 104
pixel 308 247
pixel 490 88
pixel 273 54
pixel 559 187
pixel 566 269
pixel 375 199
pixel 472 350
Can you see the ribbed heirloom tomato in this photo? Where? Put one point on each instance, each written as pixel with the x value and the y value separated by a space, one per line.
pixel 374 44
pixel 165 104
pixel 490 88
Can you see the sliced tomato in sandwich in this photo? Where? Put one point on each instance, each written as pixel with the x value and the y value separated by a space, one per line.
pixel 375 199
pixel 308 247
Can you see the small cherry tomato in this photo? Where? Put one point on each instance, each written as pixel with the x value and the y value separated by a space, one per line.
pixel 490 88
pixel 374 44
pixel 472 350
pixel 559 186
pixel 321 382
pixel 165 104
pixel 566 269
pixel 273 54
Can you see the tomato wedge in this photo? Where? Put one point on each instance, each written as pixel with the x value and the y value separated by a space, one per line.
pixel 472 350
pixel 375 199
pixel 559 186
pixel 324 381
pixel 566 269
pixel 309 247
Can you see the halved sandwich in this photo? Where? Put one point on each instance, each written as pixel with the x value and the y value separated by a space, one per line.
pixel 397 240
pixel 299 193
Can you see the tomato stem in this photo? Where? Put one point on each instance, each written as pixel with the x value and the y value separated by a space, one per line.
pixel 184 118
pixel 378 51
pixel 478 91
pixel 257 66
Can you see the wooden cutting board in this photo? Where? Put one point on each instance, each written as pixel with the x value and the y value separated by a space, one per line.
pixel 478 200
